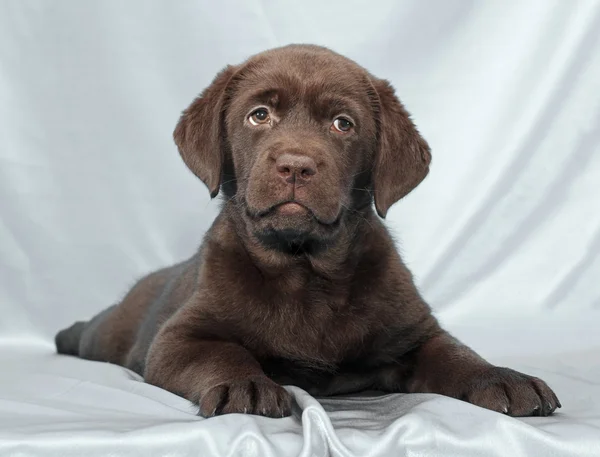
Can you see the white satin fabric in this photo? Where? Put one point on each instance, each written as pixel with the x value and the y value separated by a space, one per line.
pixel 503 236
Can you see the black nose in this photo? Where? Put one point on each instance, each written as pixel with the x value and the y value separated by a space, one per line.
pixel 294 167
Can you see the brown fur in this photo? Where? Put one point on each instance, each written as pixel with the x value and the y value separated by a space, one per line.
pixel 311 293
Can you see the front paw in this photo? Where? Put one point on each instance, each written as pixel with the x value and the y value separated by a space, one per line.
pixel 510 392
pixel 259 396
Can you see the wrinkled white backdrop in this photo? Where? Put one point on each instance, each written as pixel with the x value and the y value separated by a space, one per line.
pixel 503 236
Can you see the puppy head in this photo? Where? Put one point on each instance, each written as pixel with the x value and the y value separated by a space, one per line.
pixel 301 138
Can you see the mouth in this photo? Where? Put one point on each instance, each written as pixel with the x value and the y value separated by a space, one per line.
pixel 292 208
pixel 293 228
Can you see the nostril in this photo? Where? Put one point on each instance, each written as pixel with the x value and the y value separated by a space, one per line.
pixel 284 170
pixel 307 173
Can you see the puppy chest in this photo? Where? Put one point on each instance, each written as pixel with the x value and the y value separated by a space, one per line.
pixel 319 338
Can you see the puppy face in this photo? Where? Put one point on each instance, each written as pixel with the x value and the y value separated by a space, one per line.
pixel 301 138
pixel 301 129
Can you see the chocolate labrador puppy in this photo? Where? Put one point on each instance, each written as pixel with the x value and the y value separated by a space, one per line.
pixel 297 281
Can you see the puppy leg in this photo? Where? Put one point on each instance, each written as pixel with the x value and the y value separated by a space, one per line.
pixel 447 367
pixel 83 338
pixel 67 340
pixel 221 377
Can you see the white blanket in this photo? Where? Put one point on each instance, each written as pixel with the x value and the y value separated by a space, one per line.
pixel 503 236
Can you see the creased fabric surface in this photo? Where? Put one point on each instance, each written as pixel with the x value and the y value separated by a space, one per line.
pixel 503 236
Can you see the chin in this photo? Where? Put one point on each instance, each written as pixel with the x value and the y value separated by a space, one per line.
pixel 291 227
pixel 294 235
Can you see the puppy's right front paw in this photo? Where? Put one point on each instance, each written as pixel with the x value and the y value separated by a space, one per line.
pixel 259 396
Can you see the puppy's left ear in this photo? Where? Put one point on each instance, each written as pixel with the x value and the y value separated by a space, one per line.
pixel 403 156
pixel 199 134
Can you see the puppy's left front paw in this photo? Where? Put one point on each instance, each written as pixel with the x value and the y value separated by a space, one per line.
pixel 510 392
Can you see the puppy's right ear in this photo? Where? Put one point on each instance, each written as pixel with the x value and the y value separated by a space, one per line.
pixel 199 134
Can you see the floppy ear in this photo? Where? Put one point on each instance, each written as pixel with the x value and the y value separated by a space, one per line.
pixel 403 156
pixel 199 133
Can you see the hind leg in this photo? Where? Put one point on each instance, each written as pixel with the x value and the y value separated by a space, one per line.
pixel 100 340
pixel 67 340
pixel 103 338
pixel 112 334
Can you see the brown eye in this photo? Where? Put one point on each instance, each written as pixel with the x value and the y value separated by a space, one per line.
pixel 342 125
pixel 259 116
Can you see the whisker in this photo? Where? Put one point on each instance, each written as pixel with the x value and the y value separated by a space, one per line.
pixel 227 182
pixel 370 191
pixel 358 213
pixel 235 179
pixel 359 173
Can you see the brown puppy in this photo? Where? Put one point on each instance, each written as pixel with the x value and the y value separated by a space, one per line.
pixel 298 281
